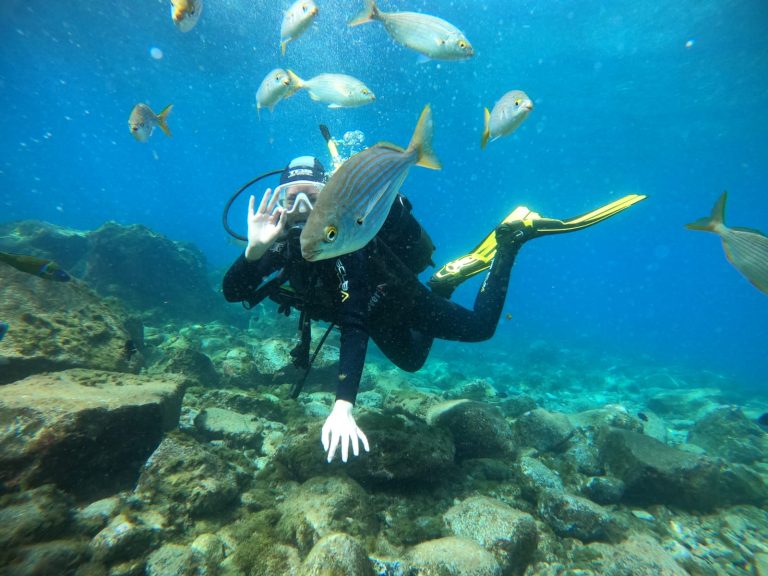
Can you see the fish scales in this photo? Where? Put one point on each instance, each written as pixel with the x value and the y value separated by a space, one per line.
pixel 748 251
pixel 420 32
pixel 371 172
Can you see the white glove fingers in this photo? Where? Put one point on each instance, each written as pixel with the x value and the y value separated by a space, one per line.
pixel 344 447
pixel 363 439
pixel 334 445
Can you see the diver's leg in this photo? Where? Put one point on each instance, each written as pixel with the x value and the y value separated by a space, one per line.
pixel 405 348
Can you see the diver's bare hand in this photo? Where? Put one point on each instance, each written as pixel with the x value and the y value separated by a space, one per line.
pixel 264 225
pixel 340 427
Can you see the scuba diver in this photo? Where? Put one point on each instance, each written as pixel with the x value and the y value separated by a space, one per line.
pixel 375 292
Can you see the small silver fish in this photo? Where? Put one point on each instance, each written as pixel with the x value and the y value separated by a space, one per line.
pixel 506 116
pixel 745 248
pixel 431 36
pixel 186 13
pixel 142 121
pixel 296 20
pixel 337 90
pixel 356 200
pixel 275 87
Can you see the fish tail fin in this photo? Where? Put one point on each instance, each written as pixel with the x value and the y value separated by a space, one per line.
pixel 421 141
pixel 296 82
pixel 369 13
pixel 283 44
pixel 714 220
pixel 162 120
pixel 486 129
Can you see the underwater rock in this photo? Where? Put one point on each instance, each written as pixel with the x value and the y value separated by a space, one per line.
pixel 604 489
pixel 87 431
pixel 238 429
pixel 583 455
pixel 208 550
pixel 611 415
pixel 171 560
pixel 187 478
pixel 451 556
pixel 543 430
pixel 59 325
pixel 60 557
pixel 726 432
pixel 406 450
pixel 479 430
pixel 194 365
pixel 655 473
pixel 67 246
pixel 33 516
pixel 639 555
pixel 337 554
pixel 122 539
pixel 478 390
pixel 97 514
pixel 322 506
pixel 514 406
pixel 576 517
pixel 509 534
pixel 685 404
pixel 155 276
pixel 536 478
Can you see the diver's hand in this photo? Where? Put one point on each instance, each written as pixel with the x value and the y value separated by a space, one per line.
pixel 340 426
pixel 264 225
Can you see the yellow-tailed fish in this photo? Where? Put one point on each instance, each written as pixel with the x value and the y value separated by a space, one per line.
pixel 506 116
pixel 296 20
pixel 355 201
pixel 186 13
pixel 745 248
pixel 275 86
pixel 431 36
pixel 142 121
pixel 337 90
pixel 41 267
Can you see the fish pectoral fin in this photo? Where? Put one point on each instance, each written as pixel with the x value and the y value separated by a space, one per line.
pixel 335 106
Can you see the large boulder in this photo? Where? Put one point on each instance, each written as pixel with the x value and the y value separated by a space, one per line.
pixel 511 535
pixel 543 430
pixel 59 325
pixel 337 554
pixel 451 556
pixel 479 430
pixel 726 432
pixel 654 473
pixel 87 431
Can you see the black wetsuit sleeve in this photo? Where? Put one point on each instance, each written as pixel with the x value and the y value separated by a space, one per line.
pixel 354 296
pixel 244 277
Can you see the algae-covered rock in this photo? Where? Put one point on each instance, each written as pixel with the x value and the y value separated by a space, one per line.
pixel 543 430
pixel 171 560
pixel 479 430
pixel 220 423
pixel 60 557
pixel 33 516
pixel 194 365
pixel 188 478
pixel 611 415
pixel 59 325
pixel 604 489
pixel 324 505
pixel 639 555
pixel 511 535
pixel 535 478
pixel 576 517
pixel 337 555
pixel 87 431
pixel 122 539
pixel 726 432
pixel 451 556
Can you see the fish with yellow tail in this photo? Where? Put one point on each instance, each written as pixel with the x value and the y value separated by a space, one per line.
pixel 276 86
pixel 46 269
pixel 507 115
pixel 186 13
pixel 355 202
pixel 745 248
pixel 142 121
pixel 296 20
pixel 336 90
pixel 429 35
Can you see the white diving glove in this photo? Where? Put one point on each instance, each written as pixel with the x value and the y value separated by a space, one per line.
pixel 340 426
pixel 264 225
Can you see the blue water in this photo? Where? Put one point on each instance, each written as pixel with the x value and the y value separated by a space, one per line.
pixel 668 99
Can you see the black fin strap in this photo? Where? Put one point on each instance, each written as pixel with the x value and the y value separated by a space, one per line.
pixel 300 352
pixel 299 386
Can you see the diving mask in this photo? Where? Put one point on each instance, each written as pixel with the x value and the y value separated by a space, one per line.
pixel 298 197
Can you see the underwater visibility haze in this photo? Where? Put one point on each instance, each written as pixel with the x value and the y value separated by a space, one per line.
pixel 665 99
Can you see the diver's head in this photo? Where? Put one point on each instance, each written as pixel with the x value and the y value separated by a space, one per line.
pixel 300 183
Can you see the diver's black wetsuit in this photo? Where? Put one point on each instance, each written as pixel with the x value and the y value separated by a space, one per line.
pixel 360 293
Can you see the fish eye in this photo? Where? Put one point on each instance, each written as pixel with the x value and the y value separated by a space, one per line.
pixel 462 44
pixel 365 91
pixel 331 233
pixel 518 102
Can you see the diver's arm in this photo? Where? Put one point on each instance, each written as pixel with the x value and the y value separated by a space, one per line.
pixel 243 278
pixel 264 225
pixel 340 429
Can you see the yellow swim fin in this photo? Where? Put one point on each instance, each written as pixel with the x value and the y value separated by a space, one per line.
pixel 447 278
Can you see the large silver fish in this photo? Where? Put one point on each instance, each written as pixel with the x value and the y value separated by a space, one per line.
pixel 296 20
pixel 506 116
pixel 746 249
pixel 275 87
pixel 353 205
pixel 429 35
pixel 336 90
